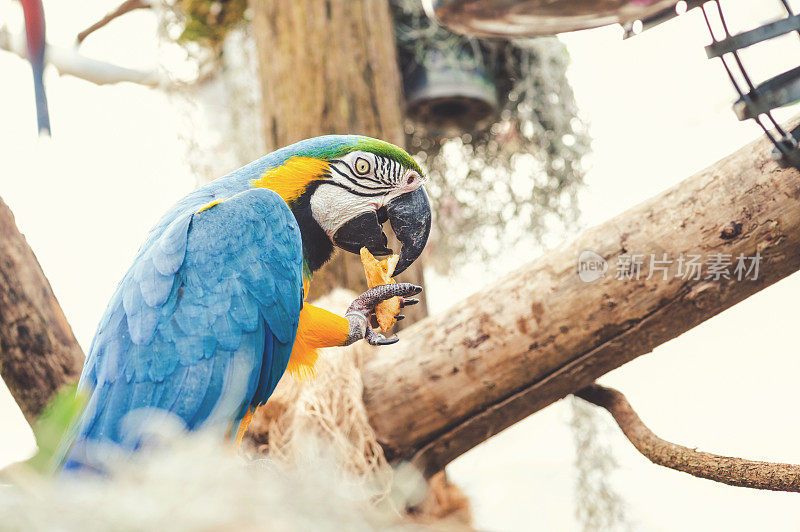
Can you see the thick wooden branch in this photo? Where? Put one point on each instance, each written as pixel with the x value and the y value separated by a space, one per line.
pixel 541 333
pixel 38 352
pixel 725 469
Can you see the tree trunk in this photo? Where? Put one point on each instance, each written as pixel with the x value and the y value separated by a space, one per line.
pixel 330 67
pixel 38 352
pixel 541 333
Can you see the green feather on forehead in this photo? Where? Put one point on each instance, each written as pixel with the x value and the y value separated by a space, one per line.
pixel 367 144
pixel 390 151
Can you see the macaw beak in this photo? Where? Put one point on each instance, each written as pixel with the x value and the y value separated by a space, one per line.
pixel 410 218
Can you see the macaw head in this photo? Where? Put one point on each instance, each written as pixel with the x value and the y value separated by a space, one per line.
pixel 342 189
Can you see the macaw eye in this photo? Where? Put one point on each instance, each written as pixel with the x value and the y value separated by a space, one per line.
pixel 362 166
pixel 411 179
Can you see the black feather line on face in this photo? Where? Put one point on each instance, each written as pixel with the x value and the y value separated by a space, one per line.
pixel 356 192
pixel 355 181
pixel 387 172
pixel 393 171
pixel 353 173
pixel 386 168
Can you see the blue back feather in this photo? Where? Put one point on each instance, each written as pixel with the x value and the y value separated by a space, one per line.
pixel 203 323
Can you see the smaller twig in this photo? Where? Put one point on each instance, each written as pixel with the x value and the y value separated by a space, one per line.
pixel 123 8
pixel 725 469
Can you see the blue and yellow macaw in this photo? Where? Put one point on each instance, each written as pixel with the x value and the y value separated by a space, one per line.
pixel 211 313
pixel 35 37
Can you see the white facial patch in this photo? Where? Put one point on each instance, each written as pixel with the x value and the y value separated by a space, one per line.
pixel 332 206
pixel 359 182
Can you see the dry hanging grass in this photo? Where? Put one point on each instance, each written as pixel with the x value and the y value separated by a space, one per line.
pixel 329 408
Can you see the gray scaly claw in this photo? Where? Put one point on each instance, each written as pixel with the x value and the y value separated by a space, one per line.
pixel 408 301
pixel 360 311
pixel 375 338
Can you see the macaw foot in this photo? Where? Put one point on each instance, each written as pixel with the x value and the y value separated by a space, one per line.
pixel 404 302
pixel 362 309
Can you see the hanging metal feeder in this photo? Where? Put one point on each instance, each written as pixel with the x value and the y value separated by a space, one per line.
pixel 755 102
pixel 447 93
pixel 516 18
pixel 534 18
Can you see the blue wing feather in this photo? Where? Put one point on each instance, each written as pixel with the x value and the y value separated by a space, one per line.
pixel 203 323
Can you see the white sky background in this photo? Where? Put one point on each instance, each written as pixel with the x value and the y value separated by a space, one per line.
pixel 659 111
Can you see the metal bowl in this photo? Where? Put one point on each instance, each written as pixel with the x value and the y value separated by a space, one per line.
pixel 533 18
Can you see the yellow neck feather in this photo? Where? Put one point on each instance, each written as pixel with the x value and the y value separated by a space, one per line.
pixel 291 178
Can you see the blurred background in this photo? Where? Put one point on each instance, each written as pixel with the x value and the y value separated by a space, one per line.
pixel 642 114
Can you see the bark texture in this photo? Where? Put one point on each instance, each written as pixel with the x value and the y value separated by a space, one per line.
pixel 331 67
pixel 541 333
pixel 726 469
pixel 38 352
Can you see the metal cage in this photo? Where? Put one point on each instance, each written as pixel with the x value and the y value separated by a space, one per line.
pixel 756 101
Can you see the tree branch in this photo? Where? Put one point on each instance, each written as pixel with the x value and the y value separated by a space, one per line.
pixel 725 469
pixel 38 352
pixel 123 8
pixel 70 62
pixel 542 332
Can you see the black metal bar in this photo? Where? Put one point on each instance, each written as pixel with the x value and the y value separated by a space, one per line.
pixel 745 75
pixel 758 102
pixel 789 11
pixel 754 36
pixel 735 54
pixel 734 82
pixel 779 91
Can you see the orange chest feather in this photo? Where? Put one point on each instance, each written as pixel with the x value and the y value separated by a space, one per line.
pixel 318 328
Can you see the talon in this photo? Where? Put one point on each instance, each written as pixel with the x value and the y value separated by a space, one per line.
pixel 387 341
pixel 405 290
pixel 374 338
pixel 408 301
pixel 400 317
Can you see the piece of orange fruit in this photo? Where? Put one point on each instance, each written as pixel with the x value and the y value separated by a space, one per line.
pixel 380 272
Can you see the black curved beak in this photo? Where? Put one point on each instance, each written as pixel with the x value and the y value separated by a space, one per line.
pixel 410 218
